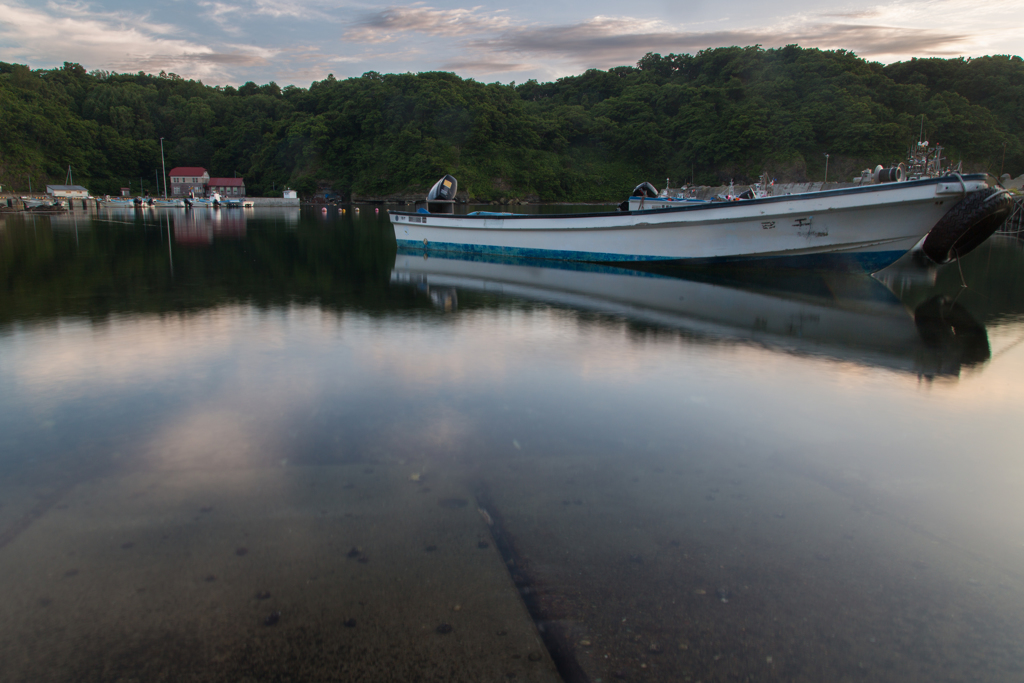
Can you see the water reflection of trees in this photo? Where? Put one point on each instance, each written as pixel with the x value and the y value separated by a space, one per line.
pixel 201 227
pixel 48 268
pixel 145 261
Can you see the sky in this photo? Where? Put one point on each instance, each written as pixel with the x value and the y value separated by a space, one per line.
pixel 229 42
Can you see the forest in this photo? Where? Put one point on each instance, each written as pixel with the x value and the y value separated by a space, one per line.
pixel 720 114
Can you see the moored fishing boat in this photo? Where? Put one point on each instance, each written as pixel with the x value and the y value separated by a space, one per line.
pixel 211 202
pixel 34 203
pixel 109 202
pixel 866 227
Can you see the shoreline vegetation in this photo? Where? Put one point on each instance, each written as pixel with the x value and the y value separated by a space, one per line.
pixel 721 114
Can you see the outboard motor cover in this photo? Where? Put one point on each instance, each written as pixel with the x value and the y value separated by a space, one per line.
pixel 443 189
pixel 644 190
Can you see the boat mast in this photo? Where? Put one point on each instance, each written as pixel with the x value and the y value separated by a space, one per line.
pixel 164 165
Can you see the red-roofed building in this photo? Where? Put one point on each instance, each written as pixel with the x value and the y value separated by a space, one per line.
pixel 186 179
pixel 228 187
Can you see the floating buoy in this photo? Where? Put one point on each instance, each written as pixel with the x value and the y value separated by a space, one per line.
pixel 324 210
pixel 376 210
pixel 341 210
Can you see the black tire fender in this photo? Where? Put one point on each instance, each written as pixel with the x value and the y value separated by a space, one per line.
pixel 967 224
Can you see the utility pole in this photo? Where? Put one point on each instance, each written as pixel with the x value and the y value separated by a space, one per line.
pixel 164 164
pixel 826 167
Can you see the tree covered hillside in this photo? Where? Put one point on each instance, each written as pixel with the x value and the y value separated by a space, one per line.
pixel 719 114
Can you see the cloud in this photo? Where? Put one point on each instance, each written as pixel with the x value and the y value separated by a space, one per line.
pixel 221 14
pixel 381 26
pixel 485 66
pixel 474 41
pixel 221 58
pixel 117 42
pixel 486 42
pixel 608 41
pixel 282 8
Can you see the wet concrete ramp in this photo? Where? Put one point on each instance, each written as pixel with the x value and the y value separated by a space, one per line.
pixel 353 573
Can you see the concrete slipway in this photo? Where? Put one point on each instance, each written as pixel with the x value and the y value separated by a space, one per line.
pixel 353 572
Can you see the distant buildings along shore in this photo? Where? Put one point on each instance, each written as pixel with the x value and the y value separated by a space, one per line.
pixel 196 181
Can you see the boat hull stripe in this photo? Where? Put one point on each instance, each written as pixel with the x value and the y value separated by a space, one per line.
pixel 860 260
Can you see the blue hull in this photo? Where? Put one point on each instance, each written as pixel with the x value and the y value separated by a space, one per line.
pixel 865 261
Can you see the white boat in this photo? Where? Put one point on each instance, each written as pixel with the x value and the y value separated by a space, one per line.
pixel 865 227
pixel 211 202
pixel 848 317
pixel 31 203
pixel 117 203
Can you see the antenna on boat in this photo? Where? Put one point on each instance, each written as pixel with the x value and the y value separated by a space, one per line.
pixel 920 136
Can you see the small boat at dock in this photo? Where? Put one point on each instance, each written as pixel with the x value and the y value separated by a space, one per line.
pixel 109 202
pixel 211 202
pixel 32 203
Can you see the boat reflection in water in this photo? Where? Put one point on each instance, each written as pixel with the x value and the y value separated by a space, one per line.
pixel 200 228
pixel 846 317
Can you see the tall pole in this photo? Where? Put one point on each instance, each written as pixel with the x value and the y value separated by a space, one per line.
pixel 162 163
pixel 826 167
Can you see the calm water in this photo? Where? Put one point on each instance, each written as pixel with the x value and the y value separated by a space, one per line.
pixel 264 446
